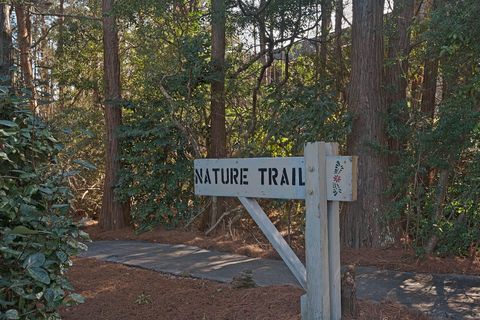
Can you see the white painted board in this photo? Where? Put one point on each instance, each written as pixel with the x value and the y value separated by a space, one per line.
pixel 276 178
pixel 341 178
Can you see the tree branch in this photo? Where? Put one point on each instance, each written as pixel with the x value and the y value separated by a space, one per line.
pixel 43 36
pixel 179 125
pixel 73 16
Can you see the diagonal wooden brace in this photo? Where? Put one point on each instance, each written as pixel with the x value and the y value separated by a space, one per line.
pixel 276 239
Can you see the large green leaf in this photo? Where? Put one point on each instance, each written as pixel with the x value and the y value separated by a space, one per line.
pixel 12 314
pixel 50 295
pixel 77 298
pixel 22 230
pixel 34 261
pixel 46 190
pixel 4 156
pixel 6 133
pixel 62 256
pixel 85 164
pixel 8 123
pixel 10 251
pixel 39 274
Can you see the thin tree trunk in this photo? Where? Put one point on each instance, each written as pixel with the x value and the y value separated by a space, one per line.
pixel 326 6
pixel 430 73
pixel 397 71
pixel 43 63
pixel 218 147
pixel 439 204
pixel 61 31
pixel 6 47
pixel 115 215
pixel 6 56
pixel 24 26
pixel 340 68
pixel 429 93
pixel 361 225
pixel 218 142
pixel 429 88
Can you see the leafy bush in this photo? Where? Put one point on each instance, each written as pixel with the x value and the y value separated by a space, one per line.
pixel 158 169
pixel 435 183
pixel 37 236
pixel 80 128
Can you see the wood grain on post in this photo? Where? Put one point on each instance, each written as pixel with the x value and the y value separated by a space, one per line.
pixel 333 212
pixel 316 233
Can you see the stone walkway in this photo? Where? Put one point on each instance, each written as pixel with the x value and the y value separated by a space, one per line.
pixel 443 296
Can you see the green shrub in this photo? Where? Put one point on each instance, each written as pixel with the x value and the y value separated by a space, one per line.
pixel 81 130
pixel 37 237
pixel 158 169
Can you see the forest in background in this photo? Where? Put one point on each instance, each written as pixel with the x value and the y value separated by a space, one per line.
pixel 395 85
pixel 133 91
pixel 105 104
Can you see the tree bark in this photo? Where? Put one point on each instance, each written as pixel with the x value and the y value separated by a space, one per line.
pixel 218 140
pixel 396 72
pixel 24 26
pixel 326 6
pixel 115 215
pixel 6 56
pixel 42 61
pixel 439 204
pixel 429 88
pixel 61 32
pixel 361 225
pixel 6 47
pixel 429 93
pixel 340 68
pixel 430 74
pixel 218 146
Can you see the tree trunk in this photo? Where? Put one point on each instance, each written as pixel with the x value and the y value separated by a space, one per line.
pixel 326 6
pixel 361 225
pixel 6 56
pixel 24 26
pixel 43 64
pixel 439 204
pixel 6 52
pixel 340 68
pixel 61 32
pixel 429 88
pixel 115 215
pixel 397 71
pixel 429 93
pixel 430 74
pixel 218 140
pixel 218 146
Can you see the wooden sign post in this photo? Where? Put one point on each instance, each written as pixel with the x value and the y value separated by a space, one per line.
pixel 323 179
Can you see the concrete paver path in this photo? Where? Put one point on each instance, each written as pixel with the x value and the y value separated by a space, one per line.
pixel 443 296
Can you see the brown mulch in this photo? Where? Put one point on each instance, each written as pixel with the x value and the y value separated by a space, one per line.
pixel 399 259
pixel 115 291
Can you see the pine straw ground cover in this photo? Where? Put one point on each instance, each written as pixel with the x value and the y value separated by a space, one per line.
pixel 118 292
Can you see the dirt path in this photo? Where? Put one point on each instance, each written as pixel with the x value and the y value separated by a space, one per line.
pixel 442 296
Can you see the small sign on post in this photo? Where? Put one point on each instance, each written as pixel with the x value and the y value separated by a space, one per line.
pixel 321 178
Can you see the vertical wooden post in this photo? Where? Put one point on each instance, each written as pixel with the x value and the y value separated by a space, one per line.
pixel 316 234
pixel 333 217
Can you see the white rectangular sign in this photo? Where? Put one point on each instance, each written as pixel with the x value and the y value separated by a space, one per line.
pixel 277 178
